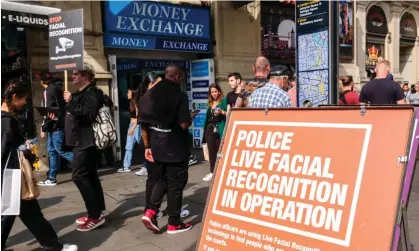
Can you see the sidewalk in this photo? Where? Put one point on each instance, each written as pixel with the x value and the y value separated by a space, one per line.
pixel 124 194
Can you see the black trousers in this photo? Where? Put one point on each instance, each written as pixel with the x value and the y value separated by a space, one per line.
pixel 32 217
pixel 86 178
pixel 213 143
pixel 170 178
pixel 150 185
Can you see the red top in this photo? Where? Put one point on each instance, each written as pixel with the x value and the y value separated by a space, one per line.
pixel 352 98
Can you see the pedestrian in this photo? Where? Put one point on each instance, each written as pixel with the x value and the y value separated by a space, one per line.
pixel 12 103
pixel 413 96
pixel 235 82
pixel 215 119
pixel 165 119
pixel 292 92
pixel 348 96
pixel 272 95
pixel 261 68
pixel 382 91
pixel 53 129
pixel 82 109
pixel 134 131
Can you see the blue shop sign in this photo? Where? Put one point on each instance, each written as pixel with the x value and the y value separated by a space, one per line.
pixel 125 64
pixel 113 40
pixel 200 69
pixel 200 95
pixel 200 84
pixel 199 120
pixel 155 18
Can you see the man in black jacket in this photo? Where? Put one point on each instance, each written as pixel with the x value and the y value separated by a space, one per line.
pixel 82 108
pixel 53 128
pixel 164 116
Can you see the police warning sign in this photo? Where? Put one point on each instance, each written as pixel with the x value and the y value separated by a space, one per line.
pixel 66 40
pixel 317 180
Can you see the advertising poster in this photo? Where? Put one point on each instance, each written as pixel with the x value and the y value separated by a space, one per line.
pixel 66 41
pixel 346 28
pixel 307 180
pixel 201 76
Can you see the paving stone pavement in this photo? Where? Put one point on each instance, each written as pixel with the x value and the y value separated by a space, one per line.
pixel 124 194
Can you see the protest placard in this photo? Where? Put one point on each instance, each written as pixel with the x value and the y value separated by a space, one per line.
pixel 310 180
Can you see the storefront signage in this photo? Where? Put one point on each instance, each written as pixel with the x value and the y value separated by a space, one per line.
pixel 312 14
pixel 273 191
pixel 66 40
pixel 373 52
pixel 200 69
pixel 408 26
pixel 155 18
pixel 130 64
pixel 376 20
pixel 24 19
pixel 200 84
pixel 200 95
pixel 201 76
pixel 113 40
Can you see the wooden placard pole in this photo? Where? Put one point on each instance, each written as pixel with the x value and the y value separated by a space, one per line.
pixel 65 81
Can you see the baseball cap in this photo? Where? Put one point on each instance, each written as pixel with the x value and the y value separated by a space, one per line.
pixel 44 76
pixel 280 70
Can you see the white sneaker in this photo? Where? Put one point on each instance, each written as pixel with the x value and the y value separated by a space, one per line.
pixel 142 172
pixel 124 170
pixel 159 215
pixel 184 213
pixel 69 247
pixel 207 177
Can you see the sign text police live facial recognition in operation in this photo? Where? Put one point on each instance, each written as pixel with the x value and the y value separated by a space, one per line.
pixel 66 40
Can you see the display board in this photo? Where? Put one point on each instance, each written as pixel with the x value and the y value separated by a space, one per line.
pixel 316 52
pixel 201 77
pixel 322 179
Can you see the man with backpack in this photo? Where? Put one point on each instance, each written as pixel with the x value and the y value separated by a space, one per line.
pixel 348 96
pixel 82 109
pixel 382 91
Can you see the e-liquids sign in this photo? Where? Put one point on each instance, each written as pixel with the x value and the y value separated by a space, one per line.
pixel 24 19
pixel 66 41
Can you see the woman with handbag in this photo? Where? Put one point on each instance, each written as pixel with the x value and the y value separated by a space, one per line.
pixel 12 136
pixel 214 124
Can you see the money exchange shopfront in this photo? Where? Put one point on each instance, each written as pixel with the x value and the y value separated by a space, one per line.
pixel 142 37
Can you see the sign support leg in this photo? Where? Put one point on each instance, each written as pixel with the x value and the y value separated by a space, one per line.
pixel 404 244
pixel 65 81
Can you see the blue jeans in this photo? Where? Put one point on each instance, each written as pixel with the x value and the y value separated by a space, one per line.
pixel 129 147
pixel 54 144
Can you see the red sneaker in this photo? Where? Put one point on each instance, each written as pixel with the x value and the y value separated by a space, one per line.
pixel 91 224
pixel 182 227
pixel 149 220
pixel 81 220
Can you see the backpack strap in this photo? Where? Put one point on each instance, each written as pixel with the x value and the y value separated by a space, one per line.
pixel 342 97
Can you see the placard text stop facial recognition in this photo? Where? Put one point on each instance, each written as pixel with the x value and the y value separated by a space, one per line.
pixel 245 170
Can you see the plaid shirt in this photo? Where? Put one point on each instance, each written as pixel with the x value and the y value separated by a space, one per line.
pixel 269 96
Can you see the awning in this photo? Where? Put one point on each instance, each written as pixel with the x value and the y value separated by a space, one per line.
pixel 28 8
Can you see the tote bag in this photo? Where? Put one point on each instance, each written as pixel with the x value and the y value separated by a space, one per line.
pixel 30 187
pixel 11 190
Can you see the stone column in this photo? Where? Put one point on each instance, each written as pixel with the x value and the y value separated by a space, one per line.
pixel 393 40
pixel 237 33
pixel 361 38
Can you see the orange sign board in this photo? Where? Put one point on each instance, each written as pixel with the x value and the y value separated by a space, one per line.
pixel 312 180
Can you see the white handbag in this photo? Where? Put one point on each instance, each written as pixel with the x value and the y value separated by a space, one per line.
pixel 11 191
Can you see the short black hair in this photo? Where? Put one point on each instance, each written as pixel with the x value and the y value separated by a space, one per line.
pixel 236 75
